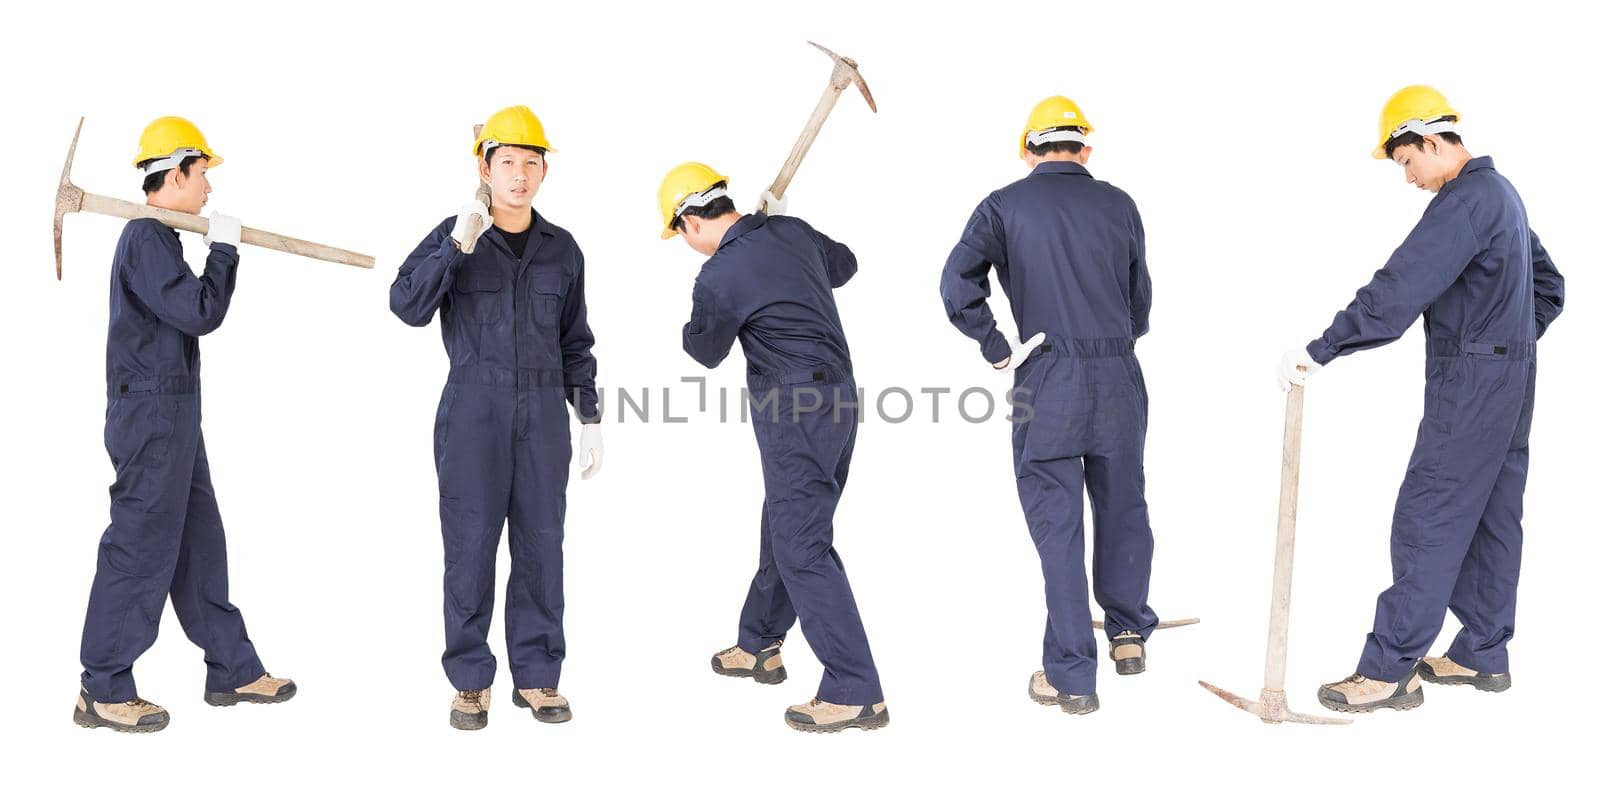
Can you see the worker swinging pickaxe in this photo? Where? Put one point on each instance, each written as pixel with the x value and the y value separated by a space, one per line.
pixel 70 198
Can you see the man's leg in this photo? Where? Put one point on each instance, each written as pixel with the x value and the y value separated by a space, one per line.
pixel 535 641
pixel 472 452
pixel 200 589
pixel 768 613
pixel 1052 501
pixel 1485 594
pixel 802 492
pixel 152 445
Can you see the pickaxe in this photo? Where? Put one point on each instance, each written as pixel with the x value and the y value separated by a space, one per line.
pixel 70 198
pixel 1273 706
pixel 844 74
pixel 483 196
pixel 1162 625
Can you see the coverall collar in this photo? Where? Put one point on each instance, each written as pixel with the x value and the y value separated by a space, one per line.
pixel 746 224
pixel 539 225
pixel 1061 168
pixel 1475 164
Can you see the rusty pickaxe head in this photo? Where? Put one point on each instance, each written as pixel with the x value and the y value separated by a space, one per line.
pixel 69 198
pixel 845 73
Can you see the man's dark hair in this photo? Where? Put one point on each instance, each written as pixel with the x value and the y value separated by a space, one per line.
pixel 1397 142
pixel 1057 147
pixel 489 153
pixel 155 180
pixel 711 210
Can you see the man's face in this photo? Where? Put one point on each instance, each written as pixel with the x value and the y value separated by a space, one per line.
pixel 514 175
pixel 188 193
pixel 1425 166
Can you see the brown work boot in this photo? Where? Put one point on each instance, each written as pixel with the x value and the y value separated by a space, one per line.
pixel 1127 649
pixel 1044 694
pixel 820 717
pixel 133 716
pixel 1359 694
pixel 1445 672
pixel 265 689
pixel 547 704
pixel 469 711
pixel 765 667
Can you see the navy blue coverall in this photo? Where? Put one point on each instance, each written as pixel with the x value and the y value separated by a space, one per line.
pixel 1069 252
pixel 770 286
pixel 517 334
pixel 165 536
pixel 1486 290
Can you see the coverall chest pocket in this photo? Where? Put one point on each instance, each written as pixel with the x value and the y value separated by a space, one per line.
pixel 549 293
pixel 478 294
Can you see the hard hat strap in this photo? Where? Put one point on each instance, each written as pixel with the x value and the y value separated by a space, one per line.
pixel 1421 128
pixel 174 160
pixel 699 200
pixel 1037 138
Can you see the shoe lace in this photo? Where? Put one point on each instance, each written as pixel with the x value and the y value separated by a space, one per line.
pixel 139 704
pixel 547 692
pixel 473 697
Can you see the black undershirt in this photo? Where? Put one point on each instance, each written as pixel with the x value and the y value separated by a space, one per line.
pixel 518 242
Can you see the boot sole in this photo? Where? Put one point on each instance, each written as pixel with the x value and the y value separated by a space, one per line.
pixel 234 698
pixel 86 720
pixel 1130 666
pixel 1078 710
pixel 1483 683
pixel 469 722
pixel 870 723
pixel 774 677
pixel 1402 703
pixel 550 715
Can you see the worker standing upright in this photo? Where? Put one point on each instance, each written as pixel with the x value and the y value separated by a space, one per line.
pixel 1069 253
pixel 515 326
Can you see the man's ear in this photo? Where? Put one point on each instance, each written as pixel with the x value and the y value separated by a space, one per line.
pixel 1432 143
pixel 483 170
pixel 691 225
pixel 1085 153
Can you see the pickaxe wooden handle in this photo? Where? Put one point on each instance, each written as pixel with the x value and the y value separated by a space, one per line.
pixel 844 74
pixel 1160 626
pixel 1272 706
pixel 70 199
pixel 475 226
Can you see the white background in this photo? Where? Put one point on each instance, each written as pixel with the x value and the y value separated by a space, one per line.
pixel 1242 132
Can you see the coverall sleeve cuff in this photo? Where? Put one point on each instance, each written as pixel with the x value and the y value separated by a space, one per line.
pixel 1320 352
pixel 995 348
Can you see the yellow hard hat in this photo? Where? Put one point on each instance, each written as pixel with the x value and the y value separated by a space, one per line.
pixel 1053 112
pixel 1414 109
pixel 173 136
pixel 515 125
pixel 685 186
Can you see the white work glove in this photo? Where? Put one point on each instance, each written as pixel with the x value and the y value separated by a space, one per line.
pixel 1020 351
pixel 222 230
pixel 590 450
pixel 464 224
pixel 775 205
pixel 1296 366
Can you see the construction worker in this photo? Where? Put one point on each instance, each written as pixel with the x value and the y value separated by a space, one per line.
pixel 1069 252
pixel 508 286
pixel 768 282
pixel 165 536
pixel 1486 290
